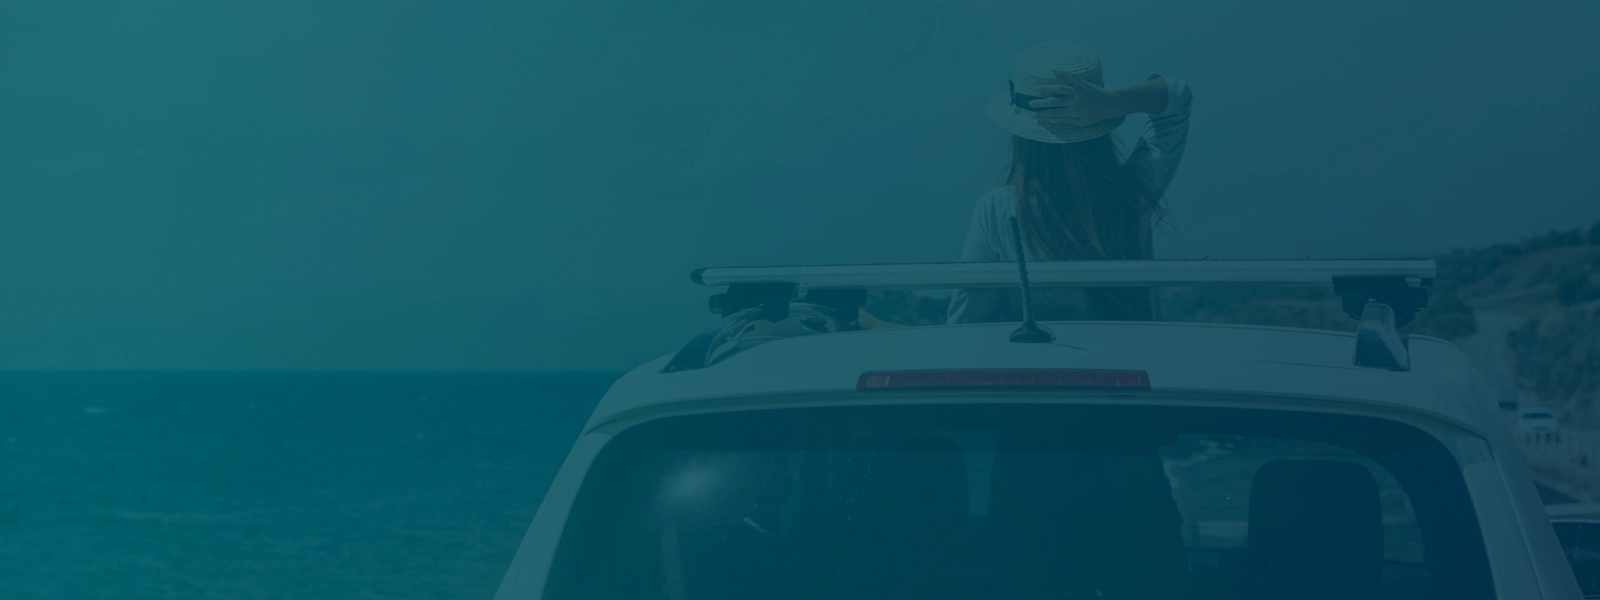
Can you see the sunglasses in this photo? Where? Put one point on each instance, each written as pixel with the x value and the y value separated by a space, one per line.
pixel 1021 100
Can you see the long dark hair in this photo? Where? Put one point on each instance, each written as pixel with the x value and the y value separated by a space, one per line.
pixel 1080 202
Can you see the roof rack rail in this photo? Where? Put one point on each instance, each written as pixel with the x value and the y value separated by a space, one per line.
pixel 1075 273
pixel 1382 295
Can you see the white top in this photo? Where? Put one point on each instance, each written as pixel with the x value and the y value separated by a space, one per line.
pixel 1154 159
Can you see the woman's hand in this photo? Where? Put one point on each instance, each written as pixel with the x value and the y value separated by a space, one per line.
pixel 1076 103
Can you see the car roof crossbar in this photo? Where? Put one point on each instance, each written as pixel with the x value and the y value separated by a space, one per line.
pixel 1382 295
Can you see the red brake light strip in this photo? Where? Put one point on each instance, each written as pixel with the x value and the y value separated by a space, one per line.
pixel 1080 379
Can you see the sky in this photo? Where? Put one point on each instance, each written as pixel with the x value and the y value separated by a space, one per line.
pixel 303 184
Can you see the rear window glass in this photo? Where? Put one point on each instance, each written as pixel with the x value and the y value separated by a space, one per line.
pixel 1021 502
pixel 1581 542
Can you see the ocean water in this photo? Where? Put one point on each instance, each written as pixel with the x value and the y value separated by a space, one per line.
pixel 275 485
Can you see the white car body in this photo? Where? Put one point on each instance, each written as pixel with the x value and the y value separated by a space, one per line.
pixel 1538 424
pixel 1189 364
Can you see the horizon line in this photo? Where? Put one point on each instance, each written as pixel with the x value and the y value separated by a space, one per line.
pixel 5 370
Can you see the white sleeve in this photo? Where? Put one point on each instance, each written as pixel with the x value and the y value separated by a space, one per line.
pixel 980 305
pixel 1160 147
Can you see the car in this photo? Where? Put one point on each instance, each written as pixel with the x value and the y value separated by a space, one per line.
pixel 1538 425
pixel 782 454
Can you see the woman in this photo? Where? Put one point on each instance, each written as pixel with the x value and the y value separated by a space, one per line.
pixel 1073 194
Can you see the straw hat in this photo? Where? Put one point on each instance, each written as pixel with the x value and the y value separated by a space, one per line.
pixel 1036 67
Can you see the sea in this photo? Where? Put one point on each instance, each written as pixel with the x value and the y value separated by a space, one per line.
pixel 307 485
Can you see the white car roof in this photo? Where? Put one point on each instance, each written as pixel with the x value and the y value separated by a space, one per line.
pixel 1179 357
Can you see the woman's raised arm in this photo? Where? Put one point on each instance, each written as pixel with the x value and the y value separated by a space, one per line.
pixel 1078 103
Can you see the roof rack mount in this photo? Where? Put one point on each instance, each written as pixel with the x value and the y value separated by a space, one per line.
pixel 1382 295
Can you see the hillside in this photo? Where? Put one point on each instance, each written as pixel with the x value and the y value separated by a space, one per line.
pixel 1549 284
pixel 1552 284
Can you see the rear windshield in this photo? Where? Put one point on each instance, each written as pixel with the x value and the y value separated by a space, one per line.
pixel 1581 542
pixel 1021 502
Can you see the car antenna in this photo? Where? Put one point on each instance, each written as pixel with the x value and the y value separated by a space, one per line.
pixel 1030 332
